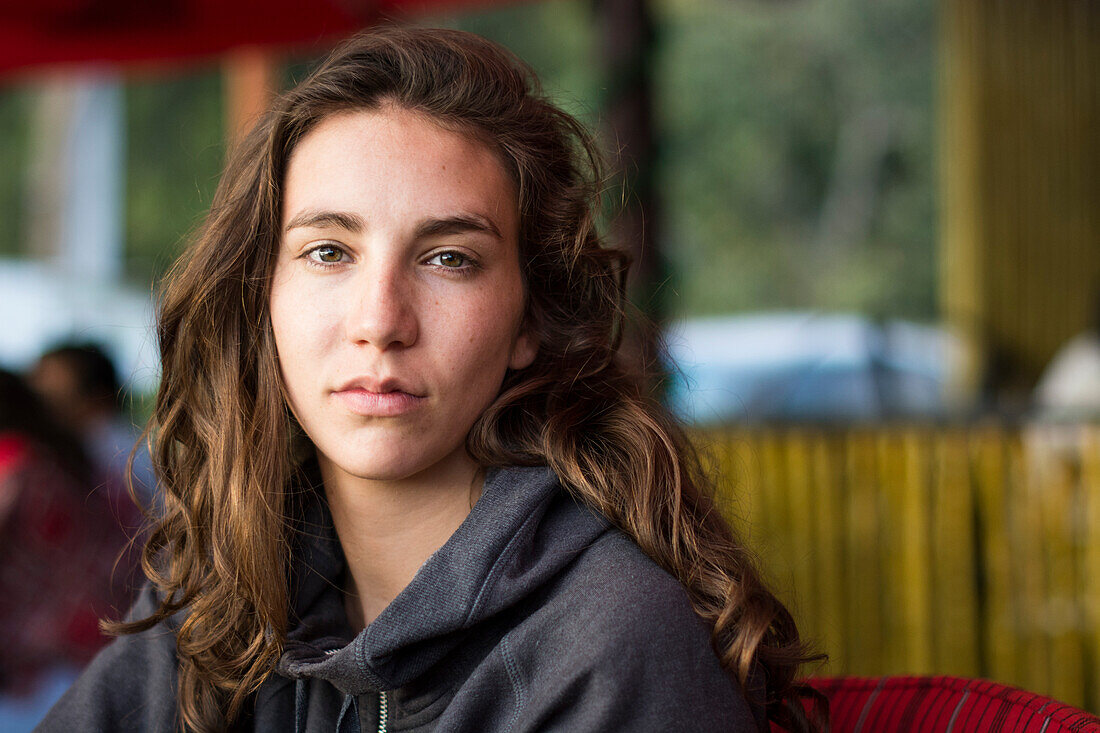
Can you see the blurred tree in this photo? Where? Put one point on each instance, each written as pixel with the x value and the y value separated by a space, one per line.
pixel 556 37
pixel 175 154
pixel 797 153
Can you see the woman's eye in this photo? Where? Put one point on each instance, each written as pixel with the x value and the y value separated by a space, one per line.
pixel 452 260
pixel 327 255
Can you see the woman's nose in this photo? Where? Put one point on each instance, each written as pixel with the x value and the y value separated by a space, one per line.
pixel 383 314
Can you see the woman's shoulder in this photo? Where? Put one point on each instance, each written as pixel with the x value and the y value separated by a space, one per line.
pixel 615 603
pixel 614 580
pixel 619 627
pixel 601 574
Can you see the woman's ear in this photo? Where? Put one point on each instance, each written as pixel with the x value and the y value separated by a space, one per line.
pixel 523 351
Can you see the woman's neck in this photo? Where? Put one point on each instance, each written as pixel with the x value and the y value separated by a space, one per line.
pixel 387 529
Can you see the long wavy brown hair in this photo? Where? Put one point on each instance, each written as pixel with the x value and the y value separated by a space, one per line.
pixel 224 441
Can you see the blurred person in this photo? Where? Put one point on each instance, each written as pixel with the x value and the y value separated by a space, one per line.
pixel 408 483
pixel 59 544
pixel 82 388
pixel 1069 388
pixel 1066 397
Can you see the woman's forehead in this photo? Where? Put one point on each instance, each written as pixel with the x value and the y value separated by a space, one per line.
pixel 393 161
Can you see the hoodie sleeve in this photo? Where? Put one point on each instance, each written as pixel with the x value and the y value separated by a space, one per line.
pixel 130 685
pixel 624 652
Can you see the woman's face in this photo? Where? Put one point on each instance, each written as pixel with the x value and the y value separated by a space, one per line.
pixel 397 300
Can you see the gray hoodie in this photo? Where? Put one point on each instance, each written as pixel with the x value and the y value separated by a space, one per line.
pixel 535 615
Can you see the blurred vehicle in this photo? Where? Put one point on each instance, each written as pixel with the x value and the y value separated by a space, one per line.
pixel 807 366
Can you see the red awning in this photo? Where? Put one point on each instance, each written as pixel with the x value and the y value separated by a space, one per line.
pixel 36 33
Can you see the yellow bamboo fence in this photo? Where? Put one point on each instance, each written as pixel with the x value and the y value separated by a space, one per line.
pixel 915 550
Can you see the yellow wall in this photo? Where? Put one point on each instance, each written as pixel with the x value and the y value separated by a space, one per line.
pixel 1020 165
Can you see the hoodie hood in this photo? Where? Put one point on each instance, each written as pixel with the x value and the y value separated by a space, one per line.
pixel 522 532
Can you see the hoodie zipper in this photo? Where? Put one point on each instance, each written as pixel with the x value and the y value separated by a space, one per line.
pixel 383 712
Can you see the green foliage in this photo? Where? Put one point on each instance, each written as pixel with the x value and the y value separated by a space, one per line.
pixel 15 103
pixel 175 150
pixel 767 205
pixel 556 38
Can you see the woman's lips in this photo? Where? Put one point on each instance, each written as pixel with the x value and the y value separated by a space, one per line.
pixel 378 404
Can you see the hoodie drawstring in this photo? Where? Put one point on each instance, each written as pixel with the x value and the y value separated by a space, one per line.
pixel 344 724
pixel 352 725
pixel 301 693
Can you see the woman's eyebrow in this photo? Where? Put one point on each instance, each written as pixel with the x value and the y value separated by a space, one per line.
pixel 457 224
pixel 327 220
pixel 454 224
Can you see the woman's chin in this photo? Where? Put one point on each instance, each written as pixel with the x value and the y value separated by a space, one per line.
pixel 401 465
pixel 378 470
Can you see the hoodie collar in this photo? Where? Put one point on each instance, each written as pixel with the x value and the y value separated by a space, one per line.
pixel 523 530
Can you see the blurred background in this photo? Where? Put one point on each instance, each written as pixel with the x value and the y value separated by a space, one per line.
pixel 868 230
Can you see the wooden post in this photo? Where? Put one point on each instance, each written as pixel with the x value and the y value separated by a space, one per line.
pixel 250 84
pixel 626 41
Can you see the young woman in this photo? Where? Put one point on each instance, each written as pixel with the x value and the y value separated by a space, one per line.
pixel 408 486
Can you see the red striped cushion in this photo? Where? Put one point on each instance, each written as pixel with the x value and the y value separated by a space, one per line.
pixel 944 705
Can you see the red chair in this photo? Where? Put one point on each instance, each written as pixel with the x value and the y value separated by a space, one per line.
pixel 944 705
